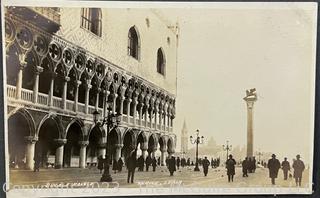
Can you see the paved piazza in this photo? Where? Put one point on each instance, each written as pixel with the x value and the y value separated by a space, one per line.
pixel 185 177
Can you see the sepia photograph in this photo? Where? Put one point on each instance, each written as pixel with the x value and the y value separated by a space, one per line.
pixel 158 98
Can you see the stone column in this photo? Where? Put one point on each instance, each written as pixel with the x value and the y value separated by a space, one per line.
pixel 150 117
pixel 30 151
pixel 146 116
pixel 83 157
pixel 88 87
pixel 105 104
pixel 64 92
pixel 144 148
pixel 121 107
pixel 160 119
pixel 117 154
pixel 128 110
pixel 250 99
pixel 97 98
pixel 155 118
pixel 76 94
pixel 23 64
pixel 164 120
pixel 140 115
pixel 36 84
pixel 114 104
pixel 134 111
pixel 163 156
pixel 50 97
pixel 59 153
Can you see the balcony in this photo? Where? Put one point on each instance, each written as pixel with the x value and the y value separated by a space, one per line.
pixel 27 99
pixel 46 18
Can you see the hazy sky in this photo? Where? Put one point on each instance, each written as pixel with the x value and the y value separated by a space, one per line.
pixel 223 52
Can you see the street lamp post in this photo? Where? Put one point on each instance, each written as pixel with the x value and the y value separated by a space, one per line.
pixel 227 148
pixel 197 141
pixel 259 156
pixel 110 120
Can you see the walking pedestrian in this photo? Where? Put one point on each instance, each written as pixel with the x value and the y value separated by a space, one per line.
pixel 230 165
pixel 298 167
pixel 131 165
pixel 273 166
pixel 245 167
pixel 120 164
pixel 100 163
pixel 154 164
pixel 285 165
pixel 171 165
pixel 148 162
pixel 205 165
pixel 178 162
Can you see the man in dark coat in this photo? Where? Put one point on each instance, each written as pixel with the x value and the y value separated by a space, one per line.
pixel 148 162
pixel 273 166
pixel 212 163
pixel 245 167
pixel 298 167
pixel 205 165
pixel 120 164
pixel 285 167
pixel 115 165
pixel 154 164
pixel 171 165
pixel 254 166
pixel 188 162
pixel 159 161
pixel 230 165
pixel 178 162
pixel 140 163
pixel 100 163
pixel 131 165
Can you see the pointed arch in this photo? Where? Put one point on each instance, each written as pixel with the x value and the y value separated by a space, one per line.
pixel 161 62
pixel 134 43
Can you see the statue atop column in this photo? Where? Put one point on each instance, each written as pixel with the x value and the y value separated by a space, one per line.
pixel 251 97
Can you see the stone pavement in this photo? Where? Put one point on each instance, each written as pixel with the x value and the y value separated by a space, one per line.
pixel 185 177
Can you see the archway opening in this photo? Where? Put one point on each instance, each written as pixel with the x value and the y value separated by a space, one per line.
pixel 28 72
pixel 18 129
pixel 72 147
pixel 45 76
pixel 95 139
pixel 46 145
pixel 59 81
pixel 13 66
pixel 128 144
pixel 71 86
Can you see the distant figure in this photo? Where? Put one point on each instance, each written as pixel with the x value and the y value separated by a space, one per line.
pixel 120 164
pixel 230 165
pixel 285 165
pixel 205 165
pixel 115 166
pixel 192 164
pixel 254 166
pixel 154 164
pixel 249 165
pixel 212 163
pixel 140 163
pixel 183 162
pixel 159 161
pixel 37 160
pixel 148 162
pixel 188 162
pixel 172 165
pixel 178 162
pixel 245 167
pixel 100 163
pixel 298 167
pixel 131 165
pixel 273 166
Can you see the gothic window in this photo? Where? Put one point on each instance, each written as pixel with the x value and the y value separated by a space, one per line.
pixel 91 20
pixel 161 63
pixel 133 43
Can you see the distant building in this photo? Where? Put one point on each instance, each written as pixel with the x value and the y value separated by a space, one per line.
pixel 184 138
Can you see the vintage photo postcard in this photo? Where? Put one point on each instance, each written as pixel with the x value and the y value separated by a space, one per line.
pixel 158 98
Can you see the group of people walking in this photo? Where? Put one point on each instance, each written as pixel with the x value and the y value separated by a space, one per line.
pixel 274 166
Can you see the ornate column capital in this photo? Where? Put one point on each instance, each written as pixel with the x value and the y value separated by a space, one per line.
pixel 83 143
pixel 102 145
pixel 31 139
pixel 118 146
pixel 66 79
pixel 60 142
pixel 38 70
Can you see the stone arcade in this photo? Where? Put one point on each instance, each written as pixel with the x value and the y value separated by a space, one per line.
pixel 54 86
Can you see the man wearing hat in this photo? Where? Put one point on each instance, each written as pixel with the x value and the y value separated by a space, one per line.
pixel 298 167
pixel 230 165
pixel 273 166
